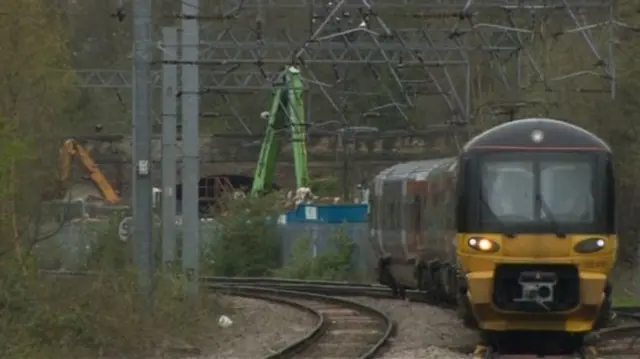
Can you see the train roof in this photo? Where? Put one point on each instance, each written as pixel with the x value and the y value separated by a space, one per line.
pixel 416 170
pixel 537 133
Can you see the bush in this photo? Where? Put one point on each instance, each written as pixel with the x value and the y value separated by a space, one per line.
pixel 333 263
pixel 44 317
pixel 108 252
pixel 326 186
pixel 247 243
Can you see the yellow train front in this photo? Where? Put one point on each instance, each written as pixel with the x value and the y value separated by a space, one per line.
pixel 535 221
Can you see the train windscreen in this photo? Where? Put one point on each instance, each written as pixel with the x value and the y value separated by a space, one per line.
pixel 537 191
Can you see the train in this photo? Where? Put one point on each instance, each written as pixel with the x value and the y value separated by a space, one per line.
pixel 518 231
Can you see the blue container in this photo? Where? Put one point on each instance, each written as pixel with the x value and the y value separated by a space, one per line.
pixel 329 213
pixel 289 217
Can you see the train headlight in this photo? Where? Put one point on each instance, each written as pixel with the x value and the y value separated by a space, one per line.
pixel 589 245
pixel 483 244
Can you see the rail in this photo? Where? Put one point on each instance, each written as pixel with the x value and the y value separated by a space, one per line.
pixel 331 319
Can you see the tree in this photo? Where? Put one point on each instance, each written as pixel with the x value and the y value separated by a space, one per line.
pixel 34 96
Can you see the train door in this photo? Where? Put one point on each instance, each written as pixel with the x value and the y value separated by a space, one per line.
pixel 438 218
pixel 391 215
pixel 415 217
pixel 375 224
pixel 449 209
pixel 435 217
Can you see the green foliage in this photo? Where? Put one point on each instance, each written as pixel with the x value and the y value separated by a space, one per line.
pixel 333 263
pixel 44 317
pixel 248 244
pixel 32 100
pixel 326 186
pixel 108 252
pixel 247 239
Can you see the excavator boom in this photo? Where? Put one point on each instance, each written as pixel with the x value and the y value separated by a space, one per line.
pixel 72 148
pixel 286 114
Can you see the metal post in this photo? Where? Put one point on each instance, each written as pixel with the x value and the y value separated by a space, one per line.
pixel 142 206
pixel 169 150
pixel 191 144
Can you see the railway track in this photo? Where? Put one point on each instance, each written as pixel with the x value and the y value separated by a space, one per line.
pixel 618 341
pixel 344 329
pixel 347 329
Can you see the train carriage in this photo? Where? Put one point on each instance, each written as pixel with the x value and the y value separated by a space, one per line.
pixel 412 221
pixel 519 230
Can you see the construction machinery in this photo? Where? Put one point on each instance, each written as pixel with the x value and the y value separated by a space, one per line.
pixel 72 148
pixel 285 115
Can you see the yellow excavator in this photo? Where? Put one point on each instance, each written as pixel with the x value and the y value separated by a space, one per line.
pixel 72 148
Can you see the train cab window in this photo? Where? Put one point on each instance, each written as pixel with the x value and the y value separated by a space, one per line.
pixel 566 189
pixel 537 193
pixel 507 189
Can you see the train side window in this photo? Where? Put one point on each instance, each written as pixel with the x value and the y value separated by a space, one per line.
pixel 425 203
pixel 384 208
pixel 389 215
pixel 372 214
pixel 398 215
pixel 388 207
pixel 395 216
pixel 435 198
pixel 417 213
pixel 448 209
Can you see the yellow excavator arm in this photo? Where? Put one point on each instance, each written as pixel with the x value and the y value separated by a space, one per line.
pixel 72 148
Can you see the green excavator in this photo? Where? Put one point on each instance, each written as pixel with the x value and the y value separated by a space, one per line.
pixel 286 115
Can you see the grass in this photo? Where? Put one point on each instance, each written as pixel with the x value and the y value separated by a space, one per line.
pixel 625 288
pixel 626 301
pixel 103 316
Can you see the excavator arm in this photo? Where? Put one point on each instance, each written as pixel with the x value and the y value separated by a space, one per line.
pixel 287 110
pixel 72 148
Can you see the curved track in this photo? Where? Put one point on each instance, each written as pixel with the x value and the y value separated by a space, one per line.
pixel 352 330
pixel 619 341
pixel 344 328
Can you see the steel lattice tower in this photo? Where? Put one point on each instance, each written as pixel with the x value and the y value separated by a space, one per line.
pixel 409 63
pixel 405 64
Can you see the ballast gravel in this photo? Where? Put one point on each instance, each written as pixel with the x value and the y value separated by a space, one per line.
pixel 259 328
pixel 424 331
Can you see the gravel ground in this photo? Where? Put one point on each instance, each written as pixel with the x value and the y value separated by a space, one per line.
pixel 259 328
pixel 424 331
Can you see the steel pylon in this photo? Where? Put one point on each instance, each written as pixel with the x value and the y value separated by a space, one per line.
pixel 399 64
pixel 410 64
